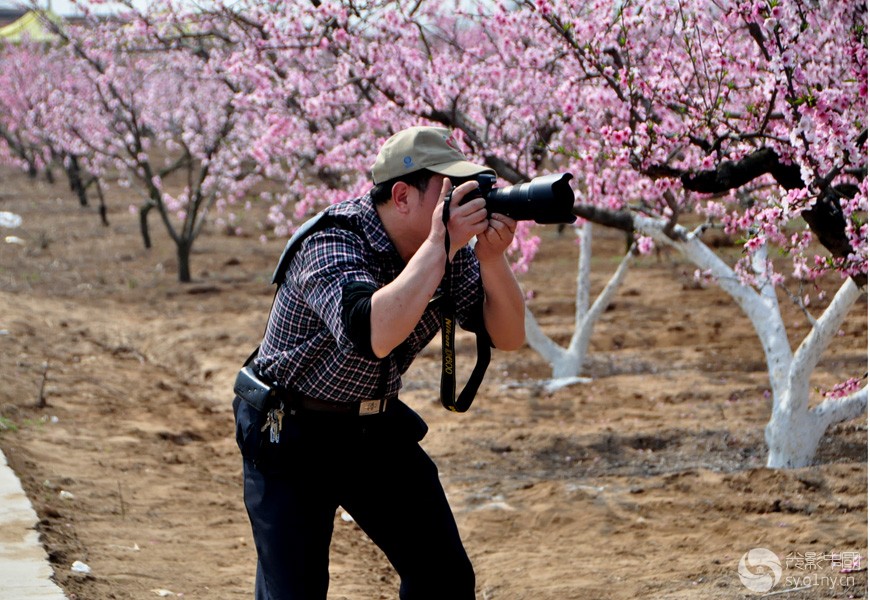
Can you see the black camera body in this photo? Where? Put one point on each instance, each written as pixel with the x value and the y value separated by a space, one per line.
pixel 547 199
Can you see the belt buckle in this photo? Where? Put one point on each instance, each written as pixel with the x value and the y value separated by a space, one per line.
pixel 369 407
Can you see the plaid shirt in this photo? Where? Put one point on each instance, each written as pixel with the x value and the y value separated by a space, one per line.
pixel 306 347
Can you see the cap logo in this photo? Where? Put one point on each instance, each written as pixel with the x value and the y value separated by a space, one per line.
pixel 451 143
pixel 408 162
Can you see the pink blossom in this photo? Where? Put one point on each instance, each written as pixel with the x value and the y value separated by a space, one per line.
pixel 540 86
pixel 645 244
pixel 844 388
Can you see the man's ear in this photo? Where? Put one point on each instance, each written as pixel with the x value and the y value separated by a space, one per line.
pixel 399 196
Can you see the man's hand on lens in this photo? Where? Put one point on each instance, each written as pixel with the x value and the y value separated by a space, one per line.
pixel 497 237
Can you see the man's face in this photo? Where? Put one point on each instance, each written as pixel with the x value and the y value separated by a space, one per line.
pixel 422 206
pixel 433 192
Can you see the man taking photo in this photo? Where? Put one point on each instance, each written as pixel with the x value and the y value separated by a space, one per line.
pixel 351 315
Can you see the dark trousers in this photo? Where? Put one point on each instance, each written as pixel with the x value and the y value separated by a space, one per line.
pixel 375 469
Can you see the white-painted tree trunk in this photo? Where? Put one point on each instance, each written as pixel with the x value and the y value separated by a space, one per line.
pixel 567 363
pixel 794 430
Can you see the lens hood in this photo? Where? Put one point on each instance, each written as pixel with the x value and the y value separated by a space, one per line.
pixel 546 199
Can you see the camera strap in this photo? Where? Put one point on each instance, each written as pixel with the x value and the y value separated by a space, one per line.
pixel 448 338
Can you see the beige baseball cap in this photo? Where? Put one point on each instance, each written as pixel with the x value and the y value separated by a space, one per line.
pixel 418 148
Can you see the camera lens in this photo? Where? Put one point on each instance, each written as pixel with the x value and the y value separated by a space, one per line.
pixel 547 199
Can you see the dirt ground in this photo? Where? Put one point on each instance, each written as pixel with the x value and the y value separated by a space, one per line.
pixel 648 482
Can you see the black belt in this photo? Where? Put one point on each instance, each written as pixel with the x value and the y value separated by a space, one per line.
pixel 360 408
pixel 264 398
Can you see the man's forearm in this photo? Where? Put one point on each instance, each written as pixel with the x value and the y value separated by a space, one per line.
pixel 398 306
pixel 503 306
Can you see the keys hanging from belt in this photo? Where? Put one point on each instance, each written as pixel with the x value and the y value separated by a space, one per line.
pixel 274 422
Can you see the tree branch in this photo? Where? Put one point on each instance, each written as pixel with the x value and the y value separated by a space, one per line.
pixel 622 220
pixel 837 410
pixel 729 175
pixel 540 342
pixel 807 356
pixel 827 221
pixel 825 216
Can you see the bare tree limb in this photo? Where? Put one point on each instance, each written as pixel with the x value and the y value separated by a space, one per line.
pixel 622 220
